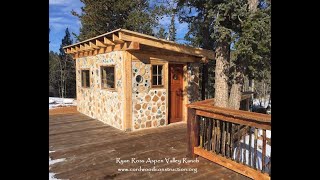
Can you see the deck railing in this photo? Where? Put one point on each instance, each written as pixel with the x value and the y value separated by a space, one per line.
pixel 238 140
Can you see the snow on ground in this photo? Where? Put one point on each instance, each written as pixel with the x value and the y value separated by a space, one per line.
pixel 264 103
pixel 244 147
pixel 55 102
pixel 51 176
pixel 55 161
pixel 51 162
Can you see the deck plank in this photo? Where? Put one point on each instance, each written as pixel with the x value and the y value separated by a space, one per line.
pixel 91 147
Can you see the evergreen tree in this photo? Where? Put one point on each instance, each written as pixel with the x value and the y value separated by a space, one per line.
pixel 162 33
pixel 172 28
pixel 198 16
pixel 101 16
pixel 243 24
pixel 66 69
pixel 54 75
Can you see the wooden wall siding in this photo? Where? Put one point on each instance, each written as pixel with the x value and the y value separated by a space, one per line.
pixel 102 104
pixel 148 104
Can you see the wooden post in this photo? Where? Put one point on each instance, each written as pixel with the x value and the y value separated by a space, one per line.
pixel 214 134
pixel 205 124
pixel 228 140
pixel 231 141
pixel 238 146
pixel 209 135
pixel 201 132
pixel 255 148
pixel 218 137
pixel 244 149
pixel 264 146
pixel 250 139
pixel 193 132
pixel 223 138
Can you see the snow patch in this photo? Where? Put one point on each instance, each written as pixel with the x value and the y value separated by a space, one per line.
pixel 51 176
pixel 244 148
pixel 264 102
pixel 55 102
pixel 51 162
pixel 68 101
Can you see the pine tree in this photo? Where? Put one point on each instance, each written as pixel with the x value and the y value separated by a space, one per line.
pixel 54 75
pixel 66 69
pixel 101 16
pixel 231 23
pixel 172 28
pixel 162 33
pixel 199 34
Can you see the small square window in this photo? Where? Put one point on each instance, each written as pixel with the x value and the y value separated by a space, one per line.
pixel 157 76
pixel 85 78
pixel 108 77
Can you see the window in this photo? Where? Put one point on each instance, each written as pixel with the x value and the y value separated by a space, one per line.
pixel 157 76
pixel 85 78
pixel 107 77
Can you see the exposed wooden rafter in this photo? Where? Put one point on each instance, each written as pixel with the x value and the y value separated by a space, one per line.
pixel 122 39
pixel 166 45
pixel 82 48
pixel 92 45
pixel 73 50
pixel 107 41
pixel 87 47
pixel 116 39
pixel 99 43
pixel 133 46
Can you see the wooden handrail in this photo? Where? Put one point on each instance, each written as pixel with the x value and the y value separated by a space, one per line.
pixel 207 105
pixel 215 133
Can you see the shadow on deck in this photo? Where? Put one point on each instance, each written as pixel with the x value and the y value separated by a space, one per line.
pixel 91 148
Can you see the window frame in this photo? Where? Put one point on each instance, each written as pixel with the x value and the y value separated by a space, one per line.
pixel 162 75
pixel 101 77
pixel 82 82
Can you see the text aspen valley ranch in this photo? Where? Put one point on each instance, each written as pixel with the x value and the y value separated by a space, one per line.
pixel 155 161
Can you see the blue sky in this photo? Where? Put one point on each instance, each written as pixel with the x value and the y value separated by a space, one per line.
pixel 60 18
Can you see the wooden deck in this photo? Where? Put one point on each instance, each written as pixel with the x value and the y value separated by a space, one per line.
pixel 91 148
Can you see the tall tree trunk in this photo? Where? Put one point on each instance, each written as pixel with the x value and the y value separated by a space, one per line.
pixel 65 78
pixel 235 94
pixel 204 81
pixel 61 79
pixel 221 75
pixel 205 67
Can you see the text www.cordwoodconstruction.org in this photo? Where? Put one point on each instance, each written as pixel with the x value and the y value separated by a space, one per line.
pixel 154 169
pixel 157 161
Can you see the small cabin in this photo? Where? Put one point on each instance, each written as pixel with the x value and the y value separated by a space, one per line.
pixel 133 81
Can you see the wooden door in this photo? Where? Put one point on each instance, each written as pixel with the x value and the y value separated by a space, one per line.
pixel 176 92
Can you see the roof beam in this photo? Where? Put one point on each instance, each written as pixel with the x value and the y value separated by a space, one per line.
pixel 116 39
pixel 125 36
pixel 99 43
pixel 77 48
pixel 82 48
pixel 107 41
pixel 73 50
pixel 133 45
pixel 87 47
pixel 93 45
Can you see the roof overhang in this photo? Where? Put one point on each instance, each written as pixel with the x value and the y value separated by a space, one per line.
pixel 122 39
